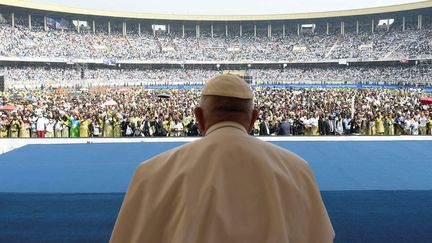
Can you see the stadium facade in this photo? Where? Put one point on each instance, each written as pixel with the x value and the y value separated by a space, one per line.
pixel 413 17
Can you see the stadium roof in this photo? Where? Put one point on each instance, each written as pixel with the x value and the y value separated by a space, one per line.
pixel 38 5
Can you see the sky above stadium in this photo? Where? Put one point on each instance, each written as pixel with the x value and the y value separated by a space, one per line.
pixel 225 7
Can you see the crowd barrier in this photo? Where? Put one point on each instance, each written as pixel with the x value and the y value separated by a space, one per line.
pixel 9 144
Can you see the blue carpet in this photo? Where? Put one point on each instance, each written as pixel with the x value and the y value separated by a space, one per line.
pixel 357 216
pixel 57 217
pixel 374 191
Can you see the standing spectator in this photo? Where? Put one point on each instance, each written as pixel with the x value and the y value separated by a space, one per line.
pixel 33 126
pixel 284 128
pixel 264 127
pixel 66 126
pixel 14 126
pixel 41 123
pixel 145 127
pixel 346 120
pixel 379 124
pixel 117 126
pixel 338 125
pixel 321 125
pixel 84 127
pixel 414 126
pixel 354 126
pixel 58 127
pixel 192 128
pixel 314 120
pixel 371 125
pixel 422 124
pixel 50 127
pixel 178 128
pixel 24 127
pixel 159 128
pixel 429 125
pixel 408 122
pixel 96 126
pixel 74 126
pixel 108 131
pixel 298 128
pixel 3 126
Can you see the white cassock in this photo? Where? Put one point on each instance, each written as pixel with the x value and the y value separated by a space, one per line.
pixel 227 187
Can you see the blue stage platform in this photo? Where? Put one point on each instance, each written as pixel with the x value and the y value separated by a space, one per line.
pixel 375 191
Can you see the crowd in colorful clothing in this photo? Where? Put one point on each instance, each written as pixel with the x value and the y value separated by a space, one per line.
pixel 33 77
pixel 129 112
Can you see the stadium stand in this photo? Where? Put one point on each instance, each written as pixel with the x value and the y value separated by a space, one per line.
pixel 123 84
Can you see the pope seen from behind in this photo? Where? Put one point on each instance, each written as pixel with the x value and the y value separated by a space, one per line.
pixel 227 187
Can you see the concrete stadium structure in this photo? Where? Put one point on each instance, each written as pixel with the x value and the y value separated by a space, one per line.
pixel 413 15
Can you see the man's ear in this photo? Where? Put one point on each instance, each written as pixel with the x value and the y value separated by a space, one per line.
pixel 199 114
pixel 255 114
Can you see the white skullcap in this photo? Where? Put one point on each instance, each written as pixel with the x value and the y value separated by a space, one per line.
pixel 229 86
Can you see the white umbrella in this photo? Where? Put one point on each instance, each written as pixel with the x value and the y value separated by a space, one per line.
pixel 109 102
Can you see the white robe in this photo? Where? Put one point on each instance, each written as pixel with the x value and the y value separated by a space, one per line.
pixel 227 187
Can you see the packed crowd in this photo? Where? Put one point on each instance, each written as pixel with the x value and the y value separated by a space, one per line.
pixel 131 110
pixel 137 112
pixel 22 42
pixel 51 76
pixel 398 75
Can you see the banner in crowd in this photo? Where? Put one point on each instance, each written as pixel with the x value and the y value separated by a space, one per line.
pixel 2 19
pixel 404 60
pixel 352 107
pixel 110 62
pixel 57 23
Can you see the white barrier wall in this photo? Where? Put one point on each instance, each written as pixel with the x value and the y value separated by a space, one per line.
pixel 9 144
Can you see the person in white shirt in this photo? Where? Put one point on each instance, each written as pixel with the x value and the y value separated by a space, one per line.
pixel 178 128
pixel 345 125
pixel 50 128
pixel 339 126
pixel 307 126
pixel 41 123
pixel 314 122
pixel 408 126
pixel 58 127
pixel 414 126
pixel 422 124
